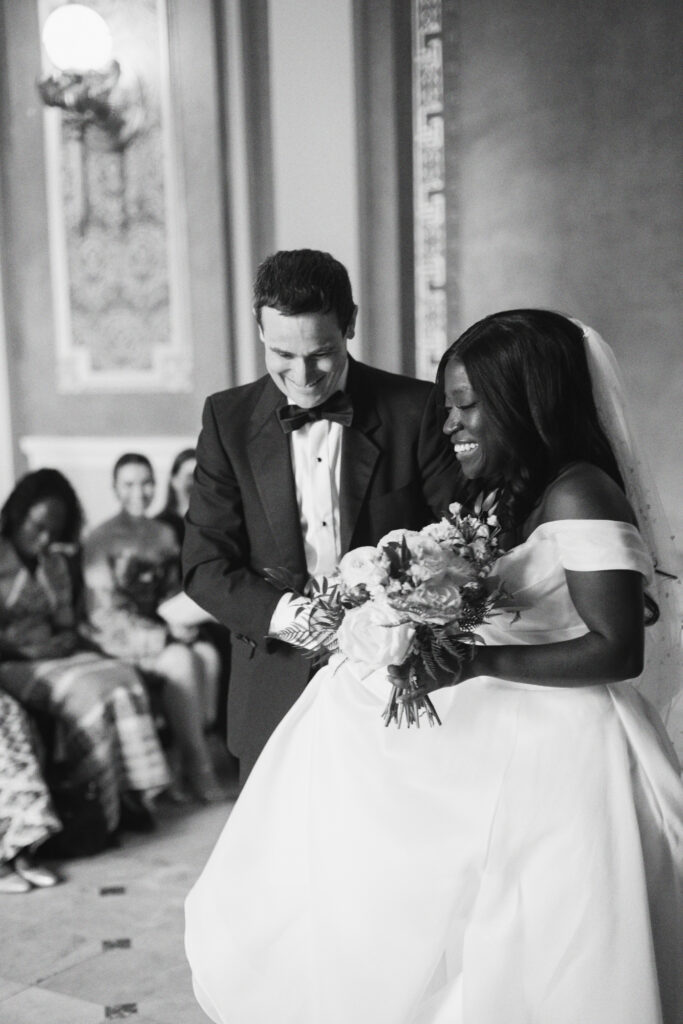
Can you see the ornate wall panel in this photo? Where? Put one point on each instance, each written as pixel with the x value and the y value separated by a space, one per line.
pixel 431 313
pixel 436 154
pixel 452 106
pixel 118 240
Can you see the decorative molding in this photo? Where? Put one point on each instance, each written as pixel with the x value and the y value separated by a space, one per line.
pixel 431 307
pixel 452 89
pixel 121 283
pixel 383 110
pixel 240 196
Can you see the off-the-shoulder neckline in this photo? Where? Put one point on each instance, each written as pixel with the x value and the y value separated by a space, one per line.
pixel 583 522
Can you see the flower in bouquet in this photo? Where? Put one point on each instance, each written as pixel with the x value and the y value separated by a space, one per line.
pixel 363 567
pixel 376 635
pixel 445 588
pixel 426 555
pixel 438 599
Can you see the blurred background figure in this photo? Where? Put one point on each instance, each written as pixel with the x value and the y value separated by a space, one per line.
pixel 180 483
pixel 27 816
pixel 104 745
pixel 130 567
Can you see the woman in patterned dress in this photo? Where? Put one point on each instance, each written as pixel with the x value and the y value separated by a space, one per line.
pixel 104 733
pixel 27 817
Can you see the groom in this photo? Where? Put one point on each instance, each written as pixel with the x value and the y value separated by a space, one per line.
pixel 321 455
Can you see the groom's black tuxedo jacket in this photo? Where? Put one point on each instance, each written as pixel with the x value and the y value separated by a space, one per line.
pixel 397 470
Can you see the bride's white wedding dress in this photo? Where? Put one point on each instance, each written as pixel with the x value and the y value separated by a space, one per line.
pixel 519 865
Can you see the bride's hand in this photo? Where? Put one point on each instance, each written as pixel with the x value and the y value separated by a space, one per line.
pixel 458 672
pixel 469 668
pixel 399 675
pixel 427 683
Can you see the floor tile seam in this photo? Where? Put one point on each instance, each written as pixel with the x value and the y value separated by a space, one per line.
pixel 40 982
pixel 24 987
pixel 51 992
pixel 44 983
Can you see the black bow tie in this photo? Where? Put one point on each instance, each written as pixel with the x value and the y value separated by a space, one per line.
pixel 337 408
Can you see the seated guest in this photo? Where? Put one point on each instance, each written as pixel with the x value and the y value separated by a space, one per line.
pixel 27 817
pixel 180 482
pixel 130 567
pixel 103 728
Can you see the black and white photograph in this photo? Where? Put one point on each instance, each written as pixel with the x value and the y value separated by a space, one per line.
pixel 341 512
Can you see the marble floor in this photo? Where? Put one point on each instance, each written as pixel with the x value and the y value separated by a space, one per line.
pixel 108 943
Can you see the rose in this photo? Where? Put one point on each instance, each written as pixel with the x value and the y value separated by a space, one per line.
pixel 420 545
pixel 436 565
pixel 443 532
pixel 432 564
pixel 480 549
pixel 438 599
pixel 397 537
pixel 363 566
pixel 376 635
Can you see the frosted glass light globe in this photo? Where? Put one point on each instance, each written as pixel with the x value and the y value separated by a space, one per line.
pixel 76 38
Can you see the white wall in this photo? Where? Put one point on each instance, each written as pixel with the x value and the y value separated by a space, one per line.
pixel 87 462
pixel 569 155
pixel 6 455
pixel 314 130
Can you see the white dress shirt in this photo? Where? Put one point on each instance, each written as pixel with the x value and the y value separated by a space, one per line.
pixel 316 459
pixel 315 450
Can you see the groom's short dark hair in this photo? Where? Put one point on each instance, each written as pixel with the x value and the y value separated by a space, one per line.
pixel 304 281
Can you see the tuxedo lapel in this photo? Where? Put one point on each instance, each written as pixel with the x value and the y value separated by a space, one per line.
pixel 359 454
pixel 270 460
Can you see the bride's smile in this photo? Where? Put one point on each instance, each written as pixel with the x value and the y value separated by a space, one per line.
pixel 468 426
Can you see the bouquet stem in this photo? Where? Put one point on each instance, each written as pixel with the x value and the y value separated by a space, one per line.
pixel 408 702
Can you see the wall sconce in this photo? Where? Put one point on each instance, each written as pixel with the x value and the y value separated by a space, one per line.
pixel 103 109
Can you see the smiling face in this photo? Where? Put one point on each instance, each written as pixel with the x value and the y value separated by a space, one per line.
pixel 468 427
pixel 44 523
pixel 305 354
pixel 134 487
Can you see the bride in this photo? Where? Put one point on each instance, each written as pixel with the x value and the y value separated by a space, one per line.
pixel 523 862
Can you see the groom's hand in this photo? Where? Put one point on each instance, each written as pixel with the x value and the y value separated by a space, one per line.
pixel 290 621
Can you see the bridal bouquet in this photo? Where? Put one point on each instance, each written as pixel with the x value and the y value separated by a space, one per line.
pixel 413 601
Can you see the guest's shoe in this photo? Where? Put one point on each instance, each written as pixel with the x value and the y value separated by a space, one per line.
pixel 11 883
pixel 136 814
pixel 205 787
pixel 34 873
pixel 176 793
